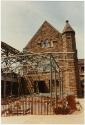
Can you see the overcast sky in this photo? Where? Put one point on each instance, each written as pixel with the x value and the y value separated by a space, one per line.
pixel 21 20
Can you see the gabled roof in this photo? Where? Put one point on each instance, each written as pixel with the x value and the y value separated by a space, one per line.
pixel 44 24
pixel 9 48
pixel 47 23
pixel 67 28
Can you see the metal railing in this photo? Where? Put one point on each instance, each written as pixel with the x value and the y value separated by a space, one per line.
pixel 32 105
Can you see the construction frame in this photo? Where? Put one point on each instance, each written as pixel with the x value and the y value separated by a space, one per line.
pixel 34 63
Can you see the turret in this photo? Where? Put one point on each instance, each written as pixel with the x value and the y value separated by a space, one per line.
pixel 68 36
pixel 70 64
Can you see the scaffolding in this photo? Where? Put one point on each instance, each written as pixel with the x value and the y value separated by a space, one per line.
pixel 27 64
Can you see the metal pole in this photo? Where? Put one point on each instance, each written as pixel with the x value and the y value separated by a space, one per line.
pixel 4 89
pixel 55 89
pixel 11 84
pixel 18 86
pixel 59 85
pixel 62 83
pixel 11 88
pixel 51 77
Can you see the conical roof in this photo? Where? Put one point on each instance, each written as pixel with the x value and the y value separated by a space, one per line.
pixel 67 28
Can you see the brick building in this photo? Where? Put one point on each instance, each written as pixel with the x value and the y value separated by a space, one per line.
pixel 63 48
pixel 81 74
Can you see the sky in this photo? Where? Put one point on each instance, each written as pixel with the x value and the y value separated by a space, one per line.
pixel 21 19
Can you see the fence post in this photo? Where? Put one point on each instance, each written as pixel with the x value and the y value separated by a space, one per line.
pixel 41 105
pixel 17 109
pixel 47 105
pixel 44 99
pixel 32 106
pixel 23 107
pixel 38 104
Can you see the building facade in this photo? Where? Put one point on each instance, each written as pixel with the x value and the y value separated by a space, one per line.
pixel 63 48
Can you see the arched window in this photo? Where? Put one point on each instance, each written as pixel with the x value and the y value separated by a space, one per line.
pixel 45 43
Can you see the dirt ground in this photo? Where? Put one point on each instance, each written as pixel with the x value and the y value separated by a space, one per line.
pixel 75 118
